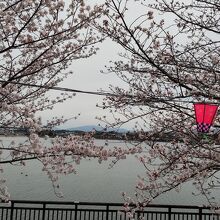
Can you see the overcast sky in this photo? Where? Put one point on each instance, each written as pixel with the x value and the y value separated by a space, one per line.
pixel 87 76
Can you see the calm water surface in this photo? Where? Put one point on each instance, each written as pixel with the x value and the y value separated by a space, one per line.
pixel 93 182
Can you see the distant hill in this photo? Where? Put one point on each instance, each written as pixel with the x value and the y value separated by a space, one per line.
pixel 89 128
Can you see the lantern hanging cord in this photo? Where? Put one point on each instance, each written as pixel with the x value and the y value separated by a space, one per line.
pixel 155 100
pixel 60 88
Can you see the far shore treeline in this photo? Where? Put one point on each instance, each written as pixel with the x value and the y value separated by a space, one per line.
pixel 103 134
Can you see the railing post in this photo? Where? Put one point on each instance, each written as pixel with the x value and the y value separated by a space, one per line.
pixel 44 210
pixel 12 210
pixel 169 213
pixel 200 213
pixel 107 211
pixel 76 210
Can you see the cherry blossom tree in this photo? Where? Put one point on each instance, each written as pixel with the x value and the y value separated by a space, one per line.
pixel 170 59
pixel 38 42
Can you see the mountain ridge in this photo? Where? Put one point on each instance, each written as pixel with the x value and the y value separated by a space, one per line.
pixel 89 128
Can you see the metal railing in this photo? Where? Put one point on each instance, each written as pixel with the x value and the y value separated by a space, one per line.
pixel 48 210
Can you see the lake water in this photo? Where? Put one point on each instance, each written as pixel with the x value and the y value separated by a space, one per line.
pixel 93 182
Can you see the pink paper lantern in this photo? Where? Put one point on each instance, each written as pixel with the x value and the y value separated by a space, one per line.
pixel 205 114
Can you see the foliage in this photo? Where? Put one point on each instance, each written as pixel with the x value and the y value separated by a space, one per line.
pixel 38 42
pixel 170 59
